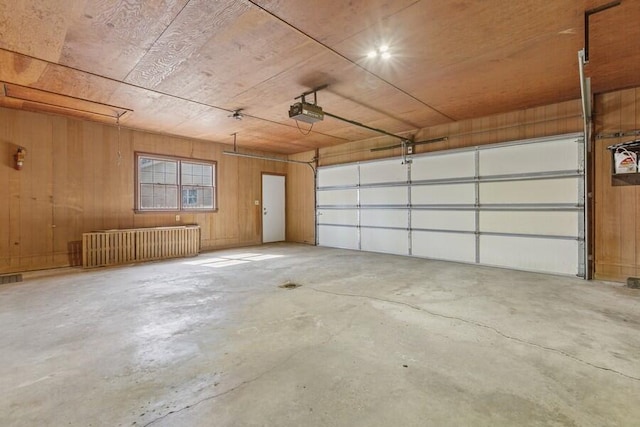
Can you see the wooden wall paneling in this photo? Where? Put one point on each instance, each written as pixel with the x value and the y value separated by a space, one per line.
pixel 92 191
pixel 225 228
pixel 615 207
pixel 108 176
pixel 35 193
pixel 605 105
pixel 241 194
pixel 627 194
pixel 15 182
pixel 8 175
pixel 126 176
pixel 63 141
pixel 522 124
pixel 300 200
pixel 72 179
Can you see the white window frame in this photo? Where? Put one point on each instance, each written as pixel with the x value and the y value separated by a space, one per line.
pixel 199 187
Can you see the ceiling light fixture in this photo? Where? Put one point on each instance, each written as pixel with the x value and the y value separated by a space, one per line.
pixel 237 114
pixel 382 51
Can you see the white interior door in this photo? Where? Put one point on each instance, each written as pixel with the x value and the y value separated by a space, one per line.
pixel 273 216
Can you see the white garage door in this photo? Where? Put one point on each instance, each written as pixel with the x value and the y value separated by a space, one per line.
pixel 518 205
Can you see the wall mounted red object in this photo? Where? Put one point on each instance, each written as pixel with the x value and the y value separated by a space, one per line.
pixel 19 158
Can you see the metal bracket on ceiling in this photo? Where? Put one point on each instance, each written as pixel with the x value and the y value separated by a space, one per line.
pixel 634 132
pixel 235 143
pixel 312 91
pixel 411 143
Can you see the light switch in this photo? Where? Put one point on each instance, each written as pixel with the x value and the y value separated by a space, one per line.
pixel 177 217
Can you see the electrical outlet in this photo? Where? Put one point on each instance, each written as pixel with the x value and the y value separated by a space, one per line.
pixel 256 202
pixel 177 218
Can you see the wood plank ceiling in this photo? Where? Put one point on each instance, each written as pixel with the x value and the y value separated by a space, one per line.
pixel 183 66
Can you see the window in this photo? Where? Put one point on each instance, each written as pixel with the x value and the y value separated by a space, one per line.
pixel 172 184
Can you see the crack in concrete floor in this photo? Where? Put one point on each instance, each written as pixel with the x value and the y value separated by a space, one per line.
pixel 389 301
pixel 481 325
pixel 256 378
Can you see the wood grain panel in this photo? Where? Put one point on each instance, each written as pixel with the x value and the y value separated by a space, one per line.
pixel 36 28
pixel 300 198
pixel 195 27
pixel 110 38
pixel 8 175
pixel 616 207
pixel 614 50
pixel 20 69
pixel 535 122
pixel 34 192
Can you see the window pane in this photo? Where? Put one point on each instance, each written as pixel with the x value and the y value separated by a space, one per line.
pixel 207 198
pixel 157 171
pixel 146 196
pixel 171 167
pixel 208 176
pixel 197 197
pixel 146 176
pixel 159 199
pixel 172 197
pixel 158 196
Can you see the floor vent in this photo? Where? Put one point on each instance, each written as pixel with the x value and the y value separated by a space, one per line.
pixel 10 278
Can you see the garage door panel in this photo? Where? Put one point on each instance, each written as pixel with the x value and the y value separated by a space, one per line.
pixel 335 176
pixel 338 216
pixel 445 246
pixel 542 191
pixel 338 237
pixel 385 240
pixel 443 166
pixel 443 220
pixel 528 222
pixel 516 205
pixel 338 197
pixel 385 217
pixel 444 194
pixel 533 254
pixel 383 172
pixel 556 155
pixel 384 196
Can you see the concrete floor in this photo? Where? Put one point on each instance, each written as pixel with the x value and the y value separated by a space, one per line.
pixel 367 340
